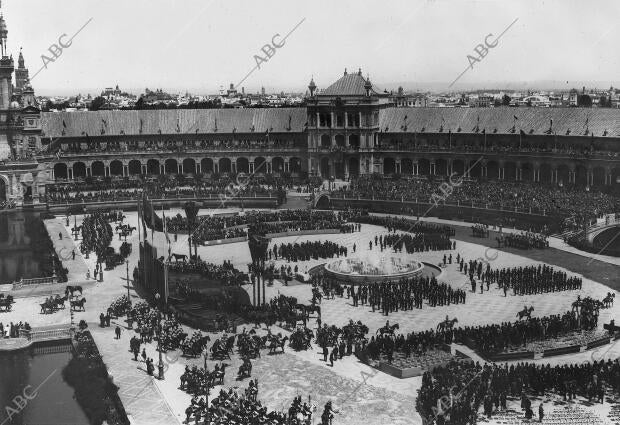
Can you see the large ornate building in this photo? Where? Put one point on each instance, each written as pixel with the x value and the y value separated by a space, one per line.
pixel 22 176
pixel 347 129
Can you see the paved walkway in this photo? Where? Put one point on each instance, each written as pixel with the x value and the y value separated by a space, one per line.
pixel 140 395
pixel 64 248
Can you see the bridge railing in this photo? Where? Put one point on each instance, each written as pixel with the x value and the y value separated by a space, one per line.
pixel 35 334
pixel 35 281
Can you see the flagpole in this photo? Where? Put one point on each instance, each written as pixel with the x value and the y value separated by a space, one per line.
pixel 167 259
pixel 153 225
pixel 139 237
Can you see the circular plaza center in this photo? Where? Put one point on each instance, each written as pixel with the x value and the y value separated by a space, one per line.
pixel 372 269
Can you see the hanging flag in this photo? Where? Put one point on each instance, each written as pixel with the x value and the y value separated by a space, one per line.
pixel 152 211
pixel 163 214
pixel 141 205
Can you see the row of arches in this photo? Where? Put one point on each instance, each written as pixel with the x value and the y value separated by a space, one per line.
pixel 547 173
pixel 172 166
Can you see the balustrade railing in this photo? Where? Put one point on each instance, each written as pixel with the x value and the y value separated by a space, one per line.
pixel 36 281
pixel 38 334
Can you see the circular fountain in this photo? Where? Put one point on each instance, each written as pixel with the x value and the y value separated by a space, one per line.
pixel 371 269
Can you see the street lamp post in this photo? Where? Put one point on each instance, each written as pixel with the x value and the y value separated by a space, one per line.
pixel 128 296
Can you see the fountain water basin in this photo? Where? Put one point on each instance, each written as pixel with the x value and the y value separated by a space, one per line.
pixel 371 269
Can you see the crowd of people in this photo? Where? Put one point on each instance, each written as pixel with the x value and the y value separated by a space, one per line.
pixel 11 330
pixel 507 336
pixel 392 224
pixel 521 280
pixel 565 201
pixel 453 394
pixel 122 189
pixel 224 273
pixel 97 233
pixel 305 251
pixel 389 297
pixel 231 408
pixel 415 343
pixel 414 243
pixel 524 240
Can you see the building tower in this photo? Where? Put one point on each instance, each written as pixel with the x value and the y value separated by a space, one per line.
pixel 21 74
pixel 343 124
pixel 6 71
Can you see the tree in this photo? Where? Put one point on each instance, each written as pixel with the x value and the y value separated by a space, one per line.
pixel 97 103
pixel 584 100
pixel 506 100
pixel 139 104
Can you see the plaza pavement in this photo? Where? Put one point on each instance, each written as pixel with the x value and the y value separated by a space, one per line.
pixel 362 395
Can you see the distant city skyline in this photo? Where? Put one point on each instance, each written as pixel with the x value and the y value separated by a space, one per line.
pixel 421 45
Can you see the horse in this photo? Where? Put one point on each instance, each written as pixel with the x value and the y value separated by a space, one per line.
pixel 245 370
pixel 179 256
pixel 388 329
pixel 526 312
pixel 71 289
pixel 276 343
pixel 446 325
pixel 6 303
pixel 312 309
pixel 608 301
pixel 59 302
pixel 78 304
pixel 219 350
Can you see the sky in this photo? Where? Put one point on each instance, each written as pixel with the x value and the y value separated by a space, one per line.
pixel 200 45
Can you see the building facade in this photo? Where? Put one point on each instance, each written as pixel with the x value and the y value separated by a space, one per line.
pixel 348 129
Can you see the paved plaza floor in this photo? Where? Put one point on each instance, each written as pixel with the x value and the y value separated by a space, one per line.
pixel 361 394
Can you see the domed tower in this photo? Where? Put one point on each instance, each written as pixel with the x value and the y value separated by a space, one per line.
pixel 343 123
pixel 312 87
pixel 21 74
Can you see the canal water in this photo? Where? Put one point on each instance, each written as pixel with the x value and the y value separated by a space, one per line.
pixel 24 247
pixel 35 374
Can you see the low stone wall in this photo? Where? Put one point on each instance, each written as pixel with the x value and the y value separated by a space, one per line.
pixel 132 204
pixel 225 241
pixel 463 213
pixel 303 232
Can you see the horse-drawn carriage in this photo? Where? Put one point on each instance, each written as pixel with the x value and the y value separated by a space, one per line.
pixel 6 303
pixel 53 304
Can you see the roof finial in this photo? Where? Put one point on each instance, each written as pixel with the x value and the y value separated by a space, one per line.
pixel 345 71
pixel 360 71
